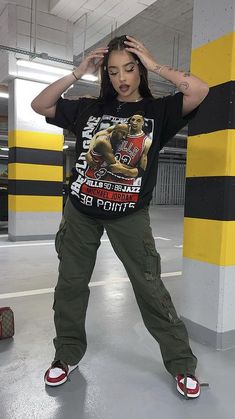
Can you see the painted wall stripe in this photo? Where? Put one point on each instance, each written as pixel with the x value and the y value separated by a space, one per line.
pixel 212 53
pixel 22 171
pixel 217 111
pixel 209 241
pixel 38 140
pixel 21 203
pixel 35 156
pixel 31 187
pixel 211 154
pixel 210 198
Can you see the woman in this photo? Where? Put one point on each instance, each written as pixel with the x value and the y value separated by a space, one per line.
pixel 116 205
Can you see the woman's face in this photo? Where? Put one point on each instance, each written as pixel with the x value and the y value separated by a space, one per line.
pixel 124 75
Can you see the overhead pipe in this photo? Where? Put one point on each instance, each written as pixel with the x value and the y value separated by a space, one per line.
pixel 178 50
pixel 31 26
pixel 33 21
pixel 35 27
pixel 84 37
pixel 31 55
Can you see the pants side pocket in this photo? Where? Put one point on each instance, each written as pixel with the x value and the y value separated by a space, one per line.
pixel 59 237
pixel 152 261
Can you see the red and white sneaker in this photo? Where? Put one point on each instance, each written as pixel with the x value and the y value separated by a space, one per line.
pixel 188 386
pixel 58 373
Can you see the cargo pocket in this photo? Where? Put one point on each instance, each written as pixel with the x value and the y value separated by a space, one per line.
pixel 166 304
pixel 152 263
pixel 60 237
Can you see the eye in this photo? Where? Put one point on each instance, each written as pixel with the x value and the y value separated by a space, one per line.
pixel 112 73
pixel 129 70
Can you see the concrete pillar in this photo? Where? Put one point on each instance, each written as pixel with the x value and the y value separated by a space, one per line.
pixel 208 289
pixel 35 171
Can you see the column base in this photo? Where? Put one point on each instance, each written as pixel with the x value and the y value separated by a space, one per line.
pixel 201 334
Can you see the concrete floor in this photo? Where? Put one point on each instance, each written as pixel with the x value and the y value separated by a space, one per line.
pixel 122 375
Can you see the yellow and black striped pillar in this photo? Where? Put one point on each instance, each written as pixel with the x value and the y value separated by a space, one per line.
pixel 208 289
pixel 35 169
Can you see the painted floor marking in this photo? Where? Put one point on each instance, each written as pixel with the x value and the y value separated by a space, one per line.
pixel 51 243
pixel 92 284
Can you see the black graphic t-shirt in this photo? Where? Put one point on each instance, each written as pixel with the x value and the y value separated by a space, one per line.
pixel 117 150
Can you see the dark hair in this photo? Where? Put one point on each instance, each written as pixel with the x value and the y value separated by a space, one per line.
pixel 141 113
pixel 107 92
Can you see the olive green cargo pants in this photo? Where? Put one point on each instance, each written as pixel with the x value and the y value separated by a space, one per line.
pixel 77 242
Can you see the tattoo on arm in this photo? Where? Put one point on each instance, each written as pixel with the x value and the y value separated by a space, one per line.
pixel 185 73
pixel 157 68
pixel 183 86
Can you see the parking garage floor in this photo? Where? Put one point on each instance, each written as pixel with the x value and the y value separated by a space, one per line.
pixel 122 375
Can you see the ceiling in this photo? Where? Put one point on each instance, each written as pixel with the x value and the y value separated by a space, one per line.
pixel 165 27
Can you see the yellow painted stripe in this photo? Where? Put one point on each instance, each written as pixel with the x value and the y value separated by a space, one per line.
pixel 209 241
pixel 23 171
pixel 211 154
pixel 214 62
pixel 32 139
pixel 22 203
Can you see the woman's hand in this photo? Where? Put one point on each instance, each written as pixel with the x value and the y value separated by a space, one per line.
pixel 91 62
pixel 136 47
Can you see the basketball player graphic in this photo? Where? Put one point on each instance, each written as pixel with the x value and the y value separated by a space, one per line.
pixel 119 153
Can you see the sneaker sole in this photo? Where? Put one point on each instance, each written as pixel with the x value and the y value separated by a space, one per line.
pixel 71 368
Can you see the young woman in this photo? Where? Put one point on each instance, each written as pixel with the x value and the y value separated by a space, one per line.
pixel 117 202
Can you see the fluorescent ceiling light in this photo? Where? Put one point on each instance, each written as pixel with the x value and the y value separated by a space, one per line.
pixel 5 95
pixel 4 148
pixel 43 67
pixel 47 73
pixel 65 146
pixel 45 78
pixel 89 77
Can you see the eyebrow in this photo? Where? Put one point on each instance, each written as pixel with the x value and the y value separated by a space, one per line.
pixel 113 66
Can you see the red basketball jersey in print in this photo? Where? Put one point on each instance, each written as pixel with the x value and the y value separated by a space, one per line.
pixel 95 173
pixel 130 150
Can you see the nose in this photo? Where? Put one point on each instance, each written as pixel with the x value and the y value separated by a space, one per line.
pixel 122 76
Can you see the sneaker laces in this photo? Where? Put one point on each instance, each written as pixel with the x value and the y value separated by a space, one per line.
pixel 185 384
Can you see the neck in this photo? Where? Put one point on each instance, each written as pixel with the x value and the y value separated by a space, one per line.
pixel 136 131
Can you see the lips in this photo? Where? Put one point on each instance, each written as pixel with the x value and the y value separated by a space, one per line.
pixel 124 87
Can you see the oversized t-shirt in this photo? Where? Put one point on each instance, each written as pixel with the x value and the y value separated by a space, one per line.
pixel 134 133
